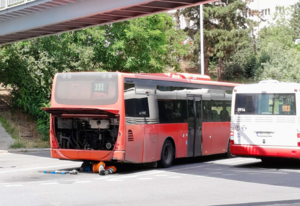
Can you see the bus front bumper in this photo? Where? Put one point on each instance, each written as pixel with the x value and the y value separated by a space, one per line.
pixel 93 155
pixel 265 151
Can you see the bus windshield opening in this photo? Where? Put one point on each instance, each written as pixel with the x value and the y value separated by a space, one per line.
pixel 86 89
pixel 265 104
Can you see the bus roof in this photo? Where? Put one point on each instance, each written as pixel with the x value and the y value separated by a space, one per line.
pixel 179 77
pixel 176 77
pixel 268 86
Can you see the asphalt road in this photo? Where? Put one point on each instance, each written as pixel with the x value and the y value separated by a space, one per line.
pixel 201 181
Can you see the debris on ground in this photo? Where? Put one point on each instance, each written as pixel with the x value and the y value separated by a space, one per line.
pixel 108 170
pixel 72 172
pixel 100 168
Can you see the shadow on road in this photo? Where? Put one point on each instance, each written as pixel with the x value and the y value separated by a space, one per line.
pixel 274 203
pixel 279 173
pixel 293 164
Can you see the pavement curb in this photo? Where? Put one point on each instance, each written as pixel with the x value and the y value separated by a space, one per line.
pixel 26 150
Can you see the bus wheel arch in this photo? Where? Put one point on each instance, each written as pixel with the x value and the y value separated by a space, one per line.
pixel 228 152
pixel 168 153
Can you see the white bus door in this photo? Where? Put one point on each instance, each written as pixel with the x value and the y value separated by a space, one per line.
pixel 194 106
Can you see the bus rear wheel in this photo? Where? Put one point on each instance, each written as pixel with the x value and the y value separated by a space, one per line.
pixel 167 154
pixel 268 160
pixel 228 153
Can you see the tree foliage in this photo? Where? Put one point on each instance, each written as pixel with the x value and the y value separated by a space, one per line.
pixel 295 21
pixel 276 45
pixel 148 44
pixel 226 29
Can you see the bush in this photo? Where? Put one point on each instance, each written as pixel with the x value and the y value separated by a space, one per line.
pixel 232 71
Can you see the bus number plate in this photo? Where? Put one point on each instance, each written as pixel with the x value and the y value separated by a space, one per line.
pixel 264 134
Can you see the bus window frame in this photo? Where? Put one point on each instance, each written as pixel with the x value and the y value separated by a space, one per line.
pixel 295 98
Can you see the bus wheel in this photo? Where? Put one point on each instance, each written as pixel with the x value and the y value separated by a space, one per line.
pixel 167 154
pixel 267 160
pixel 228 153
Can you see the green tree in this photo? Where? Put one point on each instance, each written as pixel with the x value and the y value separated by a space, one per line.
pixel 283 64
pixel 226 29
pixel 279 58
pixel 295 21
pixel 148 44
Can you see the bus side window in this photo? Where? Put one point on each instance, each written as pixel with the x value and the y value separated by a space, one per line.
pixel 135 105
pixel 164 111
pixel 216 111
pixel 225 114
pixel 172 111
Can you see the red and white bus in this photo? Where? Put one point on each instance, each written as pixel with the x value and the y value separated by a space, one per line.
pixel 138 118
pixel 264 120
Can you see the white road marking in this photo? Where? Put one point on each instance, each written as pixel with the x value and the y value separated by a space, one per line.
pixel 289 170
pixel 145 178
pixel 161 175
pixel 101 178
pixel 150 173
pixel 82 182
pixel 143 174
pixel 174 177
pixel 68 180
pixel 50 183
pixel 187 168
pixel 114 180
pixel 260 171
pixel 234 161
pixel 13 185
pixel 132 176
pixel 38 168
pixel 35 182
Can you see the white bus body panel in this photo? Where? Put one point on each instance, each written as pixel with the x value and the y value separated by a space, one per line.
pixel 266 130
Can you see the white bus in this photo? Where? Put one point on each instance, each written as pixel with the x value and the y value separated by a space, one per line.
pixel 264 120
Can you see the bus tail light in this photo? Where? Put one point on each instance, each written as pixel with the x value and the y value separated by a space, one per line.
pixel 231 135
pixel 231 132
pixel 298 135
pixel 53 141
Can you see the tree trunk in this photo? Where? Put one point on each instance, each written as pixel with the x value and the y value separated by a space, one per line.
pixel 177 19
pixel 206 71
pixel 254 43
pixel 220 69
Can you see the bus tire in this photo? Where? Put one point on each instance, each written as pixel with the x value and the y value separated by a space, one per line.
pixel 167 154
pixel 268 160
pixel 228 153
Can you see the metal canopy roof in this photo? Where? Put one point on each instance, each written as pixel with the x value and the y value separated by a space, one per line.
pixel 46 17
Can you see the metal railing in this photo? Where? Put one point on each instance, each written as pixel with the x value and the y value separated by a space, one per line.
pixel 4 4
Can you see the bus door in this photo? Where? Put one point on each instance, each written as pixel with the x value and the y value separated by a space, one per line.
pixel 194 106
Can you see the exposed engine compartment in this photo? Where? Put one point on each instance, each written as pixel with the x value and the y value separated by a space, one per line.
pixel 86 133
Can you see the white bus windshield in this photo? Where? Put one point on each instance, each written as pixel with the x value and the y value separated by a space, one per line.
pixel 265 104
